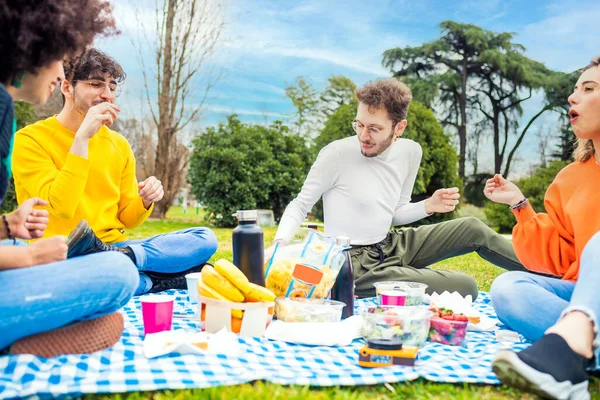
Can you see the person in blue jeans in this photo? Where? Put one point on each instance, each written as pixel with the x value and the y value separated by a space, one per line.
pixel 97 164
pixel 50 305
pixel 559 313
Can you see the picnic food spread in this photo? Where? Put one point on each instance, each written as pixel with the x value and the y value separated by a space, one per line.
pixel 296 291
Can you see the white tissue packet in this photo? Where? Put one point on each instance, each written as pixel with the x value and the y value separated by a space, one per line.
pixel 183 342
pixel 316 333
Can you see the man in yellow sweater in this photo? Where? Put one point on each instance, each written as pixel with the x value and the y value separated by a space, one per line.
pixel 86 172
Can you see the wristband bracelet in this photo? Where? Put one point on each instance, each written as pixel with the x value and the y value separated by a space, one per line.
pixel 520 205
pixel 7 227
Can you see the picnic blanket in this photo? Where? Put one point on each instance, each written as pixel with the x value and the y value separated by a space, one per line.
pixel 124 368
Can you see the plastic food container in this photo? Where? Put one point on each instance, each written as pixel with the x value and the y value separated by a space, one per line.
pixel 446 331
pixel 308 310
pixel 409 324
pixel 415 292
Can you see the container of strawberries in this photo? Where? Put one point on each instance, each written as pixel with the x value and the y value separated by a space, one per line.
pixel 447 327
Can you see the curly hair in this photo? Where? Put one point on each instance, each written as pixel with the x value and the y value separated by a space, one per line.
pixel 93 61
pixel 584 148
pixel 389 94
pixel 34 33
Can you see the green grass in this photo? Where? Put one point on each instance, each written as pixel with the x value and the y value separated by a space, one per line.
pixel 472 264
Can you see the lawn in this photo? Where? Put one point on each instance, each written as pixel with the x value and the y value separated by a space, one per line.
pixel 483 271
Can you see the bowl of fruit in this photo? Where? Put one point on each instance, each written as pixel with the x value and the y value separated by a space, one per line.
pixel 409 324
pixel 447 327
pixel 226 299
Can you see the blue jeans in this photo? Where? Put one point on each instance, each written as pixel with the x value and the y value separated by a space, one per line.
pixel 530 304
pixel 45 297
pixel 171 252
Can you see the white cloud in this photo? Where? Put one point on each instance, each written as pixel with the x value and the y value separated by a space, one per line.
pixel 566 41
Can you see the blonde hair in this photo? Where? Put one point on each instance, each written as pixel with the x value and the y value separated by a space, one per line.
pixel 584 148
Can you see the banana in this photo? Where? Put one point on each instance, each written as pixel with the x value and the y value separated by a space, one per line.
pixel 233 274
pixel 259 294
pixel 219 283
pixel 207 291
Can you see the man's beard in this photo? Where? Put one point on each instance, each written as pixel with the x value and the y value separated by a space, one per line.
pixel 383 146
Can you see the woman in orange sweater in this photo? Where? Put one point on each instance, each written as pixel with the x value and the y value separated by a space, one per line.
pixel 560 314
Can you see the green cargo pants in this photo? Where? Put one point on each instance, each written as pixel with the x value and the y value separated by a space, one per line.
pixel 405 254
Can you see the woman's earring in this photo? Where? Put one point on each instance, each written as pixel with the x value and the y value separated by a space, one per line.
pixel 17 80
pixel 396 138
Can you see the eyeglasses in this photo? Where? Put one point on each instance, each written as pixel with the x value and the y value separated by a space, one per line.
pixel 100 87
pixel 359 129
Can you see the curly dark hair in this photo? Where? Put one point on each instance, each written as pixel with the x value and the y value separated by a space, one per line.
pixel 93 63
pixel 34 33
pixel 389 94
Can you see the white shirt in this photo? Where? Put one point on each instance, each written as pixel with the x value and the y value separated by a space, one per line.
pixel 362 196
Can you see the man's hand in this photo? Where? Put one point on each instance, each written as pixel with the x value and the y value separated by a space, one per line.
pixel 499 190
pixel 151 191
pixel 49 250
pixel 98 115
pixel 26 222
pixel 271 249
pixel 442 201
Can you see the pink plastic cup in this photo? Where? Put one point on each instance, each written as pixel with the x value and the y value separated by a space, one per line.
pixel 393 298
pixel 157 313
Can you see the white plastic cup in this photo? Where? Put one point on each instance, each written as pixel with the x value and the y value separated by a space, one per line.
pixel 192 281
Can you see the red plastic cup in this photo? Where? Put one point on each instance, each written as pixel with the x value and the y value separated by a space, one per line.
pixel 393 298
pixel 157 313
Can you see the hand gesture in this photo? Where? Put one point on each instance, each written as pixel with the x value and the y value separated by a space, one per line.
pixel 151 191
pixel 499 190
pixel 97 116
pixel 442 201
pixel 26 222
pixel 48 250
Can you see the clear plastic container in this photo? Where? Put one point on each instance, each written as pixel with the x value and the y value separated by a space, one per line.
pixel 308 310
pixel 447 331
pixel 409 324
pixel 415 291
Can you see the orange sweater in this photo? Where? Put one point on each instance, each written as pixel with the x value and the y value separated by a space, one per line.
pixel 552 243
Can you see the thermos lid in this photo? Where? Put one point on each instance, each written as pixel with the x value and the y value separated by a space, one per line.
pixel 385 344
pixel 246 215
pixel 342 240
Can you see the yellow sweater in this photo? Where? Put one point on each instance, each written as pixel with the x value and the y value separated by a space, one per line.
pixel 102 189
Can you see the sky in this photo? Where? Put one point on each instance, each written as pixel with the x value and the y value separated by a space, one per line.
pixel 266 45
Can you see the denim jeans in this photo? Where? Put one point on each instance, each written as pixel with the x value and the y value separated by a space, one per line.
pixel 171 252
pixel 530 304
pixel 45 297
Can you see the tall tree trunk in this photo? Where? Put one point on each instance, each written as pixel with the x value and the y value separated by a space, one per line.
pixel 165 113
pixel 462 129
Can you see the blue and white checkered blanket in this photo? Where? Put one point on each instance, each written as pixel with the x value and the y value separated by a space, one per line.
pixel 124 368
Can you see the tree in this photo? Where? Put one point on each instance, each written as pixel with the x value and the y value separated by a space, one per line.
pixel 341 91
pixel 239 166
pixel 465 63
pixel 306 100
pixel 505 81
pixel 439 162
pixel 183 39
pixel 449 62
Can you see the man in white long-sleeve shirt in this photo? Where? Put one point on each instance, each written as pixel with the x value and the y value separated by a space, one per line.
pixel 366 182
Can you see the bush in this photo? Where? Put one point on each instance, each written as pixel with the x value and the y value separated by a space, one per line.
pixel 439 165
pixel 533 188
pixel 25 115
pixel 240 166
pixel 474 185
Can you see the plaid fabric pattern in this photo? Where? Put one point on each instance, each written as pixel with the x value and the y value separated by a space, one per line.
pixel 124 368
